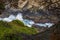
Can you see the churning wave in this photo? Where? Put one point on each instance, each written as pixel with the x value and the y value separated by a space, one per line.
pixel 26 22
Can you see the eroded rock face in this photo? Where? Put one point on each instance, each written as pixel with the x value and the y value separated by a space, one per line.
pixel 39 11
pixel 39 4
pixel 33 4
pixel 30 4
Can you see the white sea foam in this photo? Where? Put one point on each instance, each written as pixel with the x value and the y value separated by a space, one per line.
pixel 7 19
pixel 29 23
pixel 40 24
pixel 19 17
pixel 49 24
pixel 45 24
pixel 12 17
pixel 26 22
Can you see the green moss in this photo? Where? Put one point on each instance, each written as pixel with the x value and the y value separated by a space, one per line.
pixel 17 22
pixel 11 29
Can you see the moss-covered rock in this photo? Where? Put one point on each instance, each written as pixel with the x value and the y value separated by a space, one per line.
pixel 12 30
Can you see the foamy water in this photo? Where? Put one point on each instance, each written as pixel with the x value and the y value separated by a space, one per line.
pixel 19 17
pixel 29 23
pixel 26 22
pixel 45 24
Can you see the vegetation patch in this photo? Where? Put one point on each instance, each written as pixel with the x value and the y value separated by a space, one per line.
pixel 10 30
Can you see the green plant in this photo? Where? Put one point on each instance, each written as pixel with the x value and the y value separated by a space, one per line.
pixel 13 30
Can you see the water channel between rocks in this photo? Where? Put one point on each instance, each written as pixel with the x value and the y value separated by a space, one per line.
pixel 26 22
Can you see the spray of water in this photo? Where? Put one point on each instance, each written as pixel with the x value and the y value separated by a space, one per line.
pixel 26 22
